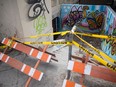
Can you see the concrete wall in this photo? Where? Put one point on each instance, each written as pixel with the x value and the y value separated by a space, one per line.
pixel 37 25
pixel 9 19
pixel 55 8
pixel 16 16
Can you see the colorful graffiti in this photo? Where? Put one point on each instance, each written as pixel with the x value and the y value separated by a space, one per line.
pixel 109 46
pixel 96 21
pixel 38 6
pixel 39 24
pixel 113 44
pixel 73 17
pixel 109 23
pixel 93 19
pixel 112 31
pixel 113 47
pixel 84 16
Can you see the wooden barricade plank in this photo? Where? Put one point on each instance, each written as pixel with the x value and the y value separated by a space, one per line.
pixel 68 83
pixel 95 71
pixel 28 50
pixel 26 69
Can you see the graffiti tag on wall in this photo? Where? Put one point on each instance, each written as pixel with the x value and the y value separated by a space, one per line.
pixel 40 24
pixel 38 6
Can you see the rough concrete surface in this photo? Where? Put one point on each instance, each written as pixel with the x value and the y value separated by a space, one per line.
pixel 54 72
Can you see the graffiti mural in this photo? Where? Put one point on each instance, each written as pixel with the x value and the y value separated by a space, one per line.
pixel 38 6
pixel 84 16
pixel 113 47
pixel 109 46
pixel 39 24
pixel 73 17
pixel 91 19
pixel 96 21
pixel 109 23
pixel 112 31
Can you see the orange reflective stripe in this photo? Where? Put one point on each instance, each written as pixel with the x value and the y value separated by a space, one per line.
pixel 68 83
pixel 34 53
pixel 37 75
pixel 5 41
pixel 4 58
pixel 78 67
pixel 27 69
pixel 45 57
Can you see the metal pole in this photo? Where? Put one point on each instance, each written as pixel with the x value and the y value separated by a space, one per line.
pixel 70 38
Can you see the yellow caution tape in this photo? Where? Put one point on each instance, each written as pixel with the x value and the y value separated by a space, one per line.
pixel 95 57
pixel 2 47
pixel 49 43
pixel 10 42
pixel 97 36
pixel 65 32
pixel 48 34
pixel 97 50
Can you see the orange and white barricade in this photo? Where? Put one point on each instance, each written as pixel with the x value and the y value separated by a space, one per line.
pixel 86 69
pixel 28 50
pixel 26 69
pixel 92 70
pixel 68 83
